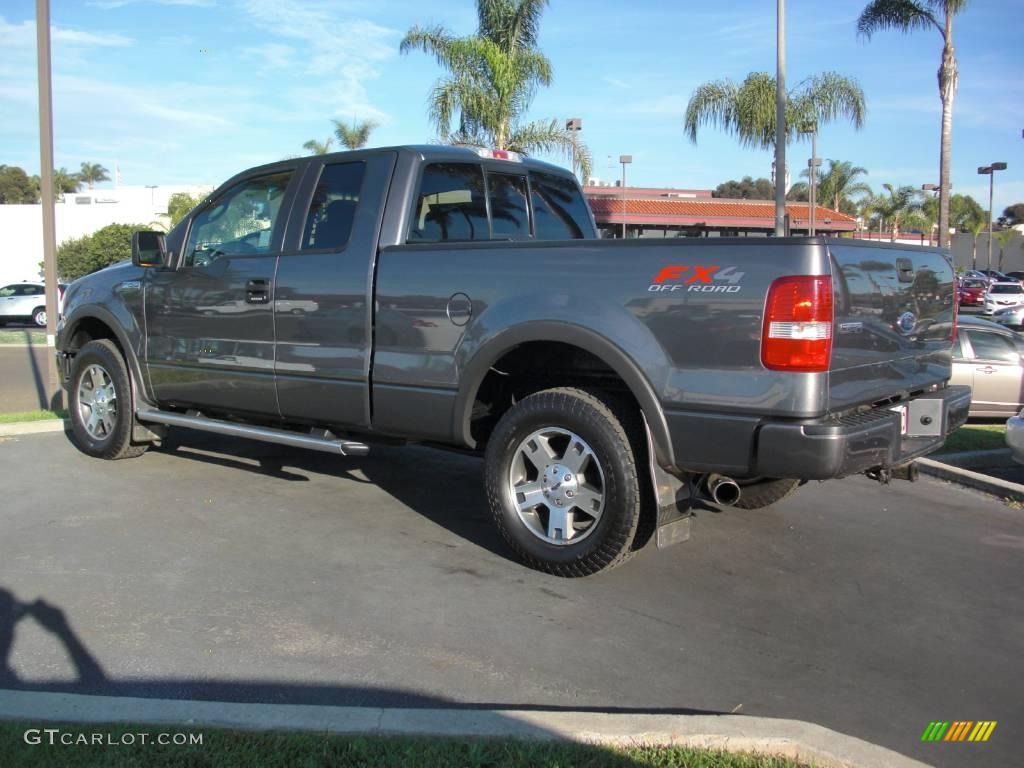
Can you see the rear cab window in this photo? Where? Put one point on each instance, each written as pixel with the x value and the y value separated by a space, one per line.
pixel 465 202
pixel 332 210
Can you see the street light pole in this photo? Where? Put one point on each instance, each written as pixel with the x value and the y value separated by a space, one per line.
pixel 780 119
pixel 625 160
pixel 574 124
pixel 53 390
pixel 812 177
pixel 990 171
pixel 934 188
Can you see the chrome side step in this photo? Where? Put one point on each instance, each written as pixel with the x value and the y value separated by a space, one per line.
pixel 326 441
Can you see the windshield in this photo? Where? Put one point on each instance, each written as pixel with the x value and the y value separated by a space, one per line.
pixel 1006 289
pixel 974 283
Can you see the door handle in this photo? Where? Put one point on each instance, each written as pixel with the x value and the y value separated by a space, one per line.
pixel 986 369
pixel 257 291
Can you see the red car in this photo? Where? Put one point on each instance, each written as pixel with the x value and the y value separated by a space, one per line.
pixel 972 292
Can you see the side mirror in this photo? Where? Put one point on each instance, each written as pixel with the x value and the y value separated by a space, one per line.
pixel 149 249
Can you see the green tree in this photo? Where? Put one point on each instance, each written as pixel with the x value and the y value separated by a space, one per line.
pixel 1013 215
pixel 964 212
pixel 1003 237
pixel 354 136
pixel 92 174
pixel 315 147
pixel 492 78
pixel 64 181
pixel 16 186
pixel 106 246
pixel 899 208
pixel 976 228
pixel 909 16
pixel 745 189
pixel 840 185
pixel 178 206
pixel 747 110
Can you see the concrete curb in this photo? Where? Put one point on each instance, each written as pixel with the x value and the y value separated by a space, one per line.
pixel 797 740
pixel 1004 489
pixel 997 457
pixel 33 427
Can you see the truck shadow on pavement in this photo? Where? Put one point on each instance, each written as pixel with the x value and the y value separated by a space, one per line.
pixel 91 679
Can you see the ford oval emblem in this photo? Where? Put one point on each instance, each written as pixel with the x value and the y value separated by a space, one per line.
pixel 906 322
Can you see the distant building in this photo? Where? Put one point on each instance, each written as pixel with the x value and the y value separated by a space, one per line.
pixel 654 212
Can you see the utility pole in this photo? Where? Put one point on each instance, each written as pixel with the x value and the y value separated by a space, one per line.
pixel 53 388
pixel 575 124
pixel 990 171
pixel 625 160
pixel 780 121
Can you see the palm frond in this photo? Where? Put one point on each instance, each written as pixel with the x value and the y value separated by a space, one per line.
pixel 826 98
pixel 354 136
pixel 317 147
pixel 902 15
pixel 712 104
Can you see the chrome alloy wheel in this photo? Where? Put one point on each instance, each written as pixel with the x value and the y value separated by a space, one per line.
pixel 97 402
pixel 557 486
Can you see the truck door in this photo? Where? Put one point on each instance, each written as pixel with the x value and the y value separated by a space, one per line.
pixel 323 309
pixel 209 322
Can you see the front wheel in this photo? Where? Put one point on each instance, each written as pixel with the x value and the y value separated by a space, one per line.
pixel 562 480
pixel 39 316
pixel 101 402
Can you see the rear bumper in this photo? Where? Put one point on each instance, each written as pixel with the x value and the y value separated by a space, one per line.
pixel 827 448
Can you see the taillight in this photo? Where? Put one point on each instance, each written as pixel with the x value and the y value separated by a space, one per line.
pixel 797 332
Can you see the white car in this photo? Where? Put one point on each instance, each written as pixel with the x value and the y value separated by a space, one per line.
pixel 1001 295
pixel 26 302
pixel 1015 436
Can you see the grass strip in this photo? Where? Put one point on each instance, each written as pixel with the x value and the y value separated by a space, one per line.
pixel 18 416
pixel 976 437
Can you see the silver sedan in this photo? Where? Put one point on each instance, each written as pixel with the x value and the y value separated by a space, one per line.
pixel 987 358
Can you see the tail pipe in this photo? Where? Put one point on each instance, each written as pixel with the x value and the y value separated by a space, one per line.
pixel 723 490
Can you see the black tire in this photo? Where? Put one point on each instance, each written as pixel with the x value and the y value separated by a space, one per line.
pixel 39 316
pixel 614 433
pixel 117 444
pixel 766 492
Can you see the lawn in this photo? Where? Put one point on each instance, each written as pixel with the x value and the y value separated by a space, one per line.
pixel 27 336
pixel 976 437
pixel 240 749
pixel 19 416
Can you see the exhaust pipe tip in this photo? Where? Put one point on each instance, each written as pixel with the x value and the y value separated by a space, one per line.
pixel 723 490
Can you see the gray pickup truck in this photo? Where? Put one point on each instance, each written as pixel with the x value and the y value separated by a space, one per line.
pixel 460 297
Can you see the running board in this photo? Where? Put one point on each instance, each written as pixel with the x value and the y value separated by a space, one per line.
pixel 327 441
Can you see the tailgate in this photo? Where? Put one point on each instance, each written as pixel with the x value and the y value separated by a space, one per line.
pixel 893 322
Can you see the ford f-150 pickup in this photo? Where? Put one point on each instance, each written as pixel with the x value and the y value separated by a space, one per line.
pixel 461 297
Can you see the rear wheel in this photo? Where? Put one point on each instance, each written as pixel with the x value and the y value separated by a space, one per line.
pixel 101 402
pixel 39 316
pixel 766 491
pixel 562 480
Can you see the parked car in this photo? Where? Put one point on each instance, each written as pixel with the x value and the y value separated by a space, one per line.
pixel 1015 437
pixel 987 358
pixel 1005 294
pixel 1010 317
pixel 972 292
pixel 461 297
pixel 23 302
pixel 1019 276
pixel 973 274
pixel 995 275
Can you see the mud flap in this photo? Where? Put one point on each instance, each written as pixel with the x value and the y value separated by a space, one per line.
pixel 672 496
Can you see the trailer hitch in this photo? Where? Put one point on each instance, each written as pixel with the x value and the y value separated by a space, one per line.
pixel 885 475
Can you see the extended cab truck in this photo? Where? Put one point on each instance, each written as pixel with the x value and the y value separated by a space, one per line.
pixel 460 297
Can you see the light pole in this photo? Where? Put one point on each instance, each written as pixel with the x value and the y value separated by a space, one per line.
pixel 574 124
pixel 780 119
pixel 990 171
pixel 625 160
pixel 934 188
pixel 152 194
pixel 812 176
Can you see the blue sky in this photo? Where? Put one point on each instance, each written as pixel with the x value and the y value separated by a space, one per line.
pixel 192 91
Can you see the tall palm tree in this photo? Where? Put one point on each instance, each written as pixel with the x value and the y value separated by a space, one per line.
pixel 356 135
pixel 837 187
pixel 93 173
pixel 747 110
pixel 315 147
pixel 908 16
pixel 492 78
pixel 899 207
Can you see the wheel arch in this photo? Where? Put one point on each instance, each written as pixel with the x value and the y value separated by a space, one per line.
pixel 95 322
pixel 541 332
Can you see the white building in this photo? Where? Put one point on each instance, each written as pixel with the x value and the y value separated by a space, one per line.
pixel 80 213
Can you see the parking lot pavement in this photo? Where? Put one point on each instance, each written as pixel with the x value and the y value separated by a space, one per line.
pixel 23 372
pixel 284 576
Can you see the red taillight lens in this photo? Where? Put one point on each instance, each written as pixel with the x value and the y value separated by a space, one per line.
pixel 797 332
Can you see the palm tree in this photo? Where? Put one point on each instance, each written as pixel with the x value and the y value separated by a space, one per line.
pixel 837 187
pixel 356 135
pixel 1003 237
pixel 908 16
pixel 93 173
pixel 315 147
pixel 492 78
pixel 748 109
pixel 976 228
pixel 901 206
pixel 64 181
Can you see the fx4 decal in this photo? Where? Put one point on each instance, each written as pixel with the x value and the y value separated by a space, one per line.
pixel 697 279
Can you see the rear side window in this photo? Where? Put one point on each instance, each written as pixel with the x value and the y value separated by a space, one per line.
pixel 510 214
pixel 559 210
pixel 333 207
pixel 451 204
pixel 993 346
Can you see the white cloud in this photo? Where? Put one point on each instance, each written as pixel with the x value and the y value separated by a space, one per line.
pixel 79 37
pixel 107 5
pixel 23 36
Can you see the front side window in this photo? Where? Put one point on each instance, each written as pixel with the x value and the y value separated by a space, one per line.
pixel 559 210
pixel 333 207
pixel 450 204
pixel 510 214
pixel 993 346
pixel 239 222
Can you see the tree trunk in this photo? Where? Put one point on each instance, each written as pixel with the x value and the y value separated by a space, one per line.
pixel 974 253
pixel 948 79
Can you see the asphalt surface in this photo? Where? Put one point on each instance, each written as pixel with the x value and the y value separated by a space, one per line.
pixel 23 372
pixel 282 576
